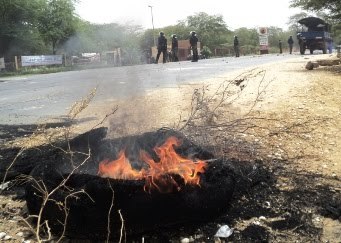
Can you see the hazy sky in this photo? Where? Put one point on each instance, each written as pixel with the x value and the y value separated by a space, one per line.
pixel 236 13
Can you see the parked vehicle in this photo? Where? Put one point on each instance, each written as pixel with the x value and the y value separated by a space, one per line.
pixel 315 35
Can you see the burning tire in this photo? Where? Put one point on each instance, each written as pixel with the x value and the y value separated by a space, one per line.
pixel 83 204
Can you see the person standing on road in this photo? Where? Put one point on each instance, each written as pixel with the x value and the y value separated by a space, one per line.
pixel 301 43
pixel 236 45
pixel 174 48
pixel 291 44
pixel 280 46
pixel 161 47
pixel 193 41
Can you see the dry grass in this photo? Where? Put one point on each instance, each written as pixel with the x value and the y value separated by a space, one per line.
pixel 277 112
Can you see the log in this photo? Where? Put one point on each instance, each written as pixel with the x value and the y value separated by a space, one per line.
pixel 311 65
pixel 330 62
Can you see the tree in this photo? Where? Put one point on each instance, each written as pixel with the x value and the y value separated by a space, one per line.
pixel 82 40
pixel 132 52
pixel 293 21
pixel 107 37
pixel 211 29
pixel 247 37
pixel 27 27
pixel 18 32
pixel 146 38
pixel 336 30
pixel 276 34
pixel 57 22
pixel 333 7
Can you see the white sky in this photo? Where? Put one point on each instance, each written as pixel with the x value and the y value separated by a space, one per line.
pixel 236 13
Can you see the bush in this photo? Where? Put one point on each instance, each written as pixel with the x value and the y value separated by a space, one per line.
pixel 206 52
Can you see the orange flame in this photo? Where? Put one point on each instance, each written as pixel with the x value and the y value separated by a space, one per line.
pixel 159 175
pixel 119 169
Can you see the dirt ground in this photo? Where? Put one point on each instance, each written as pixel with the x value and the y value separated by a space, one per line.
pixel 283 118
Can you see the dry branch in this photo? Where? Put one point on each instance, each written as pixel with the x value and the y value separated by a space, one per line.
pixel 40 227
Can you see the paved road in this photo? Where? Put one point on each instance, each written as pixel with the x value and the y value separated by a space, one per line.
pixel 26 99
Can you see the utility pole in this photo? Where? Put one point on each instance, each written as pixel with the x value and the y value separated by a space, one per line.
pixel 151 11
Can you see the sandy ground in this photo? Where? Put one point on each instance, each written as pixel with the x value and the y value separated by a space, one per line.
pixel 297 116
pixel 286 92
pixel 294 115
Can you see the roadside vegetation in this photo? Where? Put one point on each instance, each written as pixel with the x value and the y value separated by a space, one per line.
pixel 47 69
pixel 281 121
pixel 52 27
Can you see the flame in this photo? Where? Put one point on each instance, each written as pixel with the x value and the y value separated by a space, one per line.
pixel 160 174
pixel 119 169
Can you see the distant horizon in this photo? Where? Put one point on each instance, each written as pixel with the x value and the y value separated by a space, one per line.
pixel 165 14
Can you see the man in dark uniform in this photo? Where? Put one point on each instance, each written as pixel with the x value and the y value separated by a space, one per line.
pixel 291 43
pixel 161 47
pixel 236 46
pixel 280 46
pixel 301 44
pixel 174 48
pixel 194 46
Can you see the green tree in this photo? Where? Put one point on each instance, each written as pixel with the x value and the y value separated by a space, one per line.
pixel 248 40
pixel 107 37
pixel 147 39
pixel 18 32
pixel 211 29
pixel 181 30
pixel 275 34
pixel 336 30
pixel 82 40
pixel 57 22
pixel 132 52
pixel 247 37
pixel 333 7
pixel 293 21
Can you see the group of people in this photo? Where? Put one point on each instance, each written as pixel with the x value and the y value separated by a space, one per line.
pixel 162 47
pixel 193 41
pixel 290 43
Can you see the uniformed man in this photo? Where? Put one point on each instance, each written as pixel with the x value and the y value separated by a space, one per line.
pixel 291 43
pixel 236 45
pixel 194 46
pixel 301 44
pixel 174 48
pixel 161 47
pixel 280 46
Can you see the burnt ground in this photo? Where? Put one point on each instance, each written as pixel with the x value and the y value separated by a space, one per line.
pixel 264 208
pixel 286 163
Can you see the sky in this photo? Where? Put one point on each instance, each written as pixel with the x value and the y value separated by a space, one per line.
pixel 236 13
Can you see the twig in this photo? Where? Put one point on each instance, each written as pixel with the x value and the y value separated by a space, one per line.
pixel 110 209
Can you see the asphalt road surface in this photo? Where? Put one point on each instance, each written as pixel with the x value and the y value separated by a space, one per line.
pixel 28 99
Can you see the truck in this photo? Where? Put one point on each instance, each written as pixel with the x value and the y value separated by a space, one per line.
pixel 315 35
